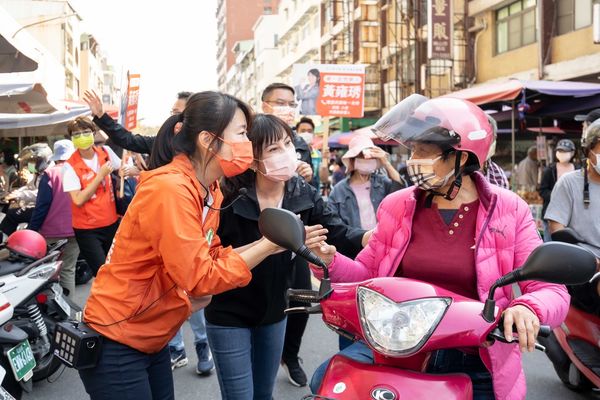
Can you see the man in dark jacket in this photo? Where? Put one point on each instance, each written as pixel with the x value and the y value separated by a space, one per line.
pixel 117 133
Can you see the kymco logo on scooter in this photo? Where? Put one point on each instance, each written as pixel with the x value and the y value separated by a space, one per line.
pixel 383 394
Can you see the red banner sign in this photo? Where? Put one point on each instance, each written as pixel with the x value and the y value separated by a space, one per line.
pixel 133 91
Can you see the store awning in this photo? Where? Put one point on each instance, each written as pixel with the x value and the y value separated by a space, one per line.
pixel 490 92
pixel 512 89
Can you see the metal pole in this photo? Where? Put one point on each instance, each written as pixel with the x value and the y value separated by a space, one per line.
pixel 512 136
pixel 42 22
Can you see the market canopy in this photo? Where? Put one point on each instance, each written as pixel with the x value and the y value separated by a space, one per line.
pixel 24 98
pixel 12 60
pixel 33 124
pixel 26 111
pixel 512 89
pixel 18 49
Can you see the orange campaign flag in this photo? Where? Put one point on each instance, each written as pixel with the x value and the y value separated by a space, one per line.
pixel 133 91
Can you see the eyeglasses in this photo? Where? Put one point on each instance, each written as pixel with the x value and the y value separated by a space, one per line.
pixel 282 103
pixel 79 134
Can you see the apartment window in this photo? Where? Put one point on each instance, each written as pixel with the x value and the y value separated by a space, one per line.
pixel 69 79
pixel 515 25
pixel 573 15
pixel 268 10
pixel 69 45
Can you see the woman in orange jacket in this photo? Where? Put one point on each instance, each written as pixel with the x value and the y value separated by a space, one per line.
pixel 166 254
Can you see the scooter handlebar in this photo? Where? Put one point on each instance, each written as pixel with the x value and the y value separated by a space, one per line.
pixel 544 331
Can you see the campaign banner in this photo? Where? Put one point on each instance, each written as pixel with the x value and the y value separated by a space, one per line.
pixel 133 91
pixel 330 90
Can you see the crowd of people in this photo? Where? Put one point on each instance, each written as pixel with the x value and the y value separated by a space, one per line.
pixel 168 225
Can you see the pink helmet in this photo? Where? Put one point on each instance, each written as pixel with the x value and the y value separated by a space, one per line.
pixel 446 122
pixel 27 243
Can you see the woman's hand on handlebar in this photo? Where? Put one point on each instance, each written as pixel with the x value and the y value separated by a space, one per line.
pixel 325 252
pixel 527 324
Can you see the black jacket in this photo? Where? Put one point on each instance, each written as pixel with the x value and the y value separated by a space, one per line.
pixel 263 301
pixel 549 178
pixel 302 150
pixel 547 184
pixel 122 137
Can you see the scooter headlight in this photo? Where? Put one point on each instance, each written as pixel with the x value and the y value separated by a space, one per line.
pixel 398 328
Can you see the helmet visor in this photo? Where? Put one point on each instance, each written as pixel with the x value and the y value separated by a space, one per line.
pixel 415 119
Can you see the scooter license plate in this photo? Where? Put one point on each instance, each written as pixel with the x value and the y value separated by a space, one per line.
pixel 21 360
pixel 60 300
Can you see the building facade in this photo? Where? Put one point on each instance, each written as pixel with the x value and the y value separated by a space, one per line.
pixel 266 53
pixel 60 36
pixel 235 20
pixel 534 39
pixel 350 34
pixel 90 63
pixel 299 36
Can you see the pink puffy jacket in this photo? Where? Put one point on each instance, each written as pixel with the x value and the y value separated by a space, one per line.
pixel 506 235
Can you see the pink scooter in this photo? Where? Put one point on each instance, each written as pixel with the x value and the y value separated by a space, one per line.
pixel 403 320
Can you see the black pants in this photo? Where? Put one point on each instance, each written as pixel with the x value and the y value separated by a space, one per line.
pixel 14 217
pixel 126 373
pixel 296 323
pixel 94 244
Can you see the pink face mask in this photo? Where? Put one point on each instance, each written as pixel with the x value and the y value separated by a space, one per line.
pixel 281 167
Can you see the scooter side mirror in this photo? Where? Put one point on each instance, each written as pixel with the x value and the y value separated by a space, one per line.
pixel 285 229
pixel 282 227
pixel 567 235
pixel 552 262
pixel 557 262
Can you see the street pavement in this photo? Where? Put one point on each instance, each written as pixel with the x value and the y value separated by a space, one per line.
pixel 319 343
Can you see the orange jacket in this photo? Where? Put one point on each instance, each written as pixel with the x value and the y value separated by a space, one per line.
pixel 100 210
pixel 162 253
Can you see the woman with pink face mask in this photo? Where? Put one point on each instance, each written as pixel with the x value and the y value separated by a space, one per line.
pixel 246 326
pixel 357 197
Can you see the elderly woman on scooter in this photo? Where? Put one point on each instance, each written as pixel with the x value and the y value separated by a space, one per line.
pixel 455 230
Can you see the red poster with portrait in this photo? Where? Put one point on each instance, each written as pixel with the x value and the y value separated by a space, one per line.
pixel 330 90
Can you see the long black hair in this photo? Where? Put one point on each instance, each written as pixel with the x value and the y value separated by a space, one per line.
pixel 266 130
pixel 205 111
pixel 162 149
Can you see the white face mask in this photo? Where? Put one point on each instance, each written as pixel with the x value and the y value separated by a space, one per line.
pixel 421 174
pixel 307 137
pixel 286 113
pixel 364 166
pixel 564 157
